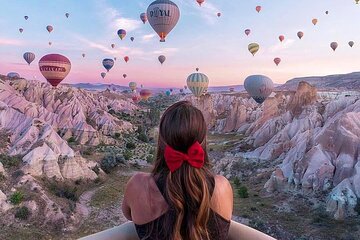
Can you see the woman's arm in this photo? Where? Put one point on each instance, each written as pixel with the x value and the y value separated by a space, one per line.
pixel 125 231
pixel 241 232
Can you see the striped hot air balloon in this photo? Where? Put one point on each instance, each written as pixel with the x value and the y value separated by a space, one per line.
pixel 253 48
pixel 198 83
pixel 54 67
pixel 29 57
pixel 108 64
pixel 259 87
pixel 132 86
pixel 145 94
pixel 163 15
pixel 121 33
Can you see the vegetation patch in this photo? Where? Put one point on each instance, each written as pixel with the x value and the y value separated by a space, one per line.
pixel 17 197
pixel 10 161
pixel 22 213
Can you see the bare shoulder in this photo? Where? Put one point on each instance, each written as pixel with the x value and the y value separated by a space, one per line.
pixel 222 199
pixel 137 181
pixel 222 185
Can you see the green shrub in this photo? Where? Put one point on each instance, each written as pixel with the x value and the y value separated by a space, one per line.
pixel 22 213
pixel 143 137
pixel 243 192
pixel 127 155
pixel 130 145
pixel 117 135
pixel 150 159
pixel 237 182
pixel 71 140
pixel 64 190
pixel 10 161
pixel 109 162
pixel 88 151
pixel 16 198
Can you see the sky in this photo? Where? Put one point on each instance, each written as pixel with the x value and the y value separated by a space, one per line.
pixel 218 46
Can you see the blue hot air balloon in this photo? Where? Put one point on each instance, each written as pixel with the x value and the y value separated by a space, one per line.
pixel 13 75
pixel 168 93
pixel 108 64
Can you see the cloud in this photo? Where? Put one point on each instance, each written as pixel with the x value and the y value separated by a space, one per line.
pixel 167 51
pixel 127 23
pixel 281 46
pixel 148 37
pixel 10 42
pixel 207 10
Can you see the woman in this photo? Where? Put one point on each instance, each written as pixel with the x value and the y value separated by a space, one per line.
pixel 181 199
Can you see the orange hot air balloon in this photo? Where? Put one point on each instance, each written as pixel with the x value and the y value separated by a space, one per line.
pixel 126 58
pixel 281 38
pixel 300 35
pixel 277 61
pixel 200 2
pixel 145 94
pixel 54 67
pixel 258 8
pixel 314 21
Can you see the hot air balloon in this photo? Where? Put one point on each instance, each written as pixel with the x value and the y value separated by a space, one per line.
pixel 103 75
pixel 83 55
pixel 54 67
pixel 163 15
pixel 253 48
pixel 259 87
pixel 200 2
pixel 145 94
pixel 13 75
pixel 108 63
pixel 115 58
pixel 277 61
pixel 50 43
pixel 181 90
pixel 162 59
pixel 232 89
pixel 135 98
pixel 26 17
pixel 314 21
pixel 168 93
pixel 258 8
pixel 132 86
pixel 300 35
pixel 126 58
pixel 49 28
pixel 281 38
pixel 171 90
pixel 218 14
pixel 143 17
pixel 124 75
pixel 21 30
pixel 198 83
pixel 247 32
pixel 351 43
pixel 334 45
pixel 357 1
pixel 185 87
pixel 197 69
pixel 121 33
pixel 29 57
pixel 112 45
pixel 327 12
pixel 67 15
pixel 132 39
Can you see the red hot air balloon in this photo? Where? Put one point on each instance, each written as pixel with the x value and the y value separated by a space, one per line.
pixel 277 61
pixel 200 2
pixel 258 8
pixel 135 98
pixel 247 32
pixel 54 67
pixel 126 58
pixel 281 38
pixel 49 28
pixel 145 94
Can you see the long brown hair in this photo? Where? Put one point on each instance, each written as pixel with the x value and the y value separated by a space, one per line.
pixel 187 190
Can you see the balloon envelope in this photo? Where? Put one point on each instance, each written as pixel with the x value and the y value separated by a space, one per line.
pixel 124 75
pixel 351 43
pixel 247 32
pixel 54 67
pixel 334 45
pixel 314 21
pixel 49 28
pixel 21 30
pixel 132 86
pixel 168 93
pixel 108 63
pixel 219 14
pixel 300 35
pixel 145 94
pixel 67 15
pixel 121 33
pixel 258 8
pixel 198 83
pixel 277 61
pixel 143 17
pixel 259 87
pixel 26 17
pixel 163 15
pixel 281 38
pixel 253 48
pixel 162 59
pixel 29 57
pixel 132 39
pixel 103 75
pixel 13 75
pixel 200 2
pixel 126 58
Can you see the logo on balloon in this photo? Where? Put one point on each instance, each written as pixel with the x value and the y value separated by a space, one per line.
pixel 157 12
pixel 52 69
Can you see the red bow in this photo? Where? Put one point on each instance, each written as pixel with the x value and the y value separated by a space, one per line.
pixel 195 157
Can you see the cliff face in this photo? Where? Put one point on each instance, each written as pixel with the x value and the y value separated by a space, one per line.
pixel 317 142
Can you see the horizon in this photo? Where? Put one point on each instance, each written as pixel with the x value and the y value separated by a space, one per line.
pixel 223 56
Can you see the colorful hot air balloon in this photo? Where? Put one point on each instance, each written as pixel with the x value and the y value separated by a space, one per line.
pixel 334 45
pixel 126 58
pixel 49 28
pixel 29 57
pixel 198 83
pixel 124 75
pixel 67 15
pixel 13 75
pixel 258 8
pixel 135 98
pixel 163 15
pixel 314 21
pixel 121 33
pixel 143 17
pixel 300 35
pixel 253 48
pixel 247 32
pixel 108 63
pixel 112 45
pixel 218 14
pixel 21 30
pixel 132 39
pixel 145 94
pixel 103 75
pixel 200 2
pixel 162 59
pixel 259 87
pixel 83 55
pixel 132 86
pixel 168 93
pixel 26 17
pixel 54 67
pixel 281 38
pixel 277 61
pixel 351 43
